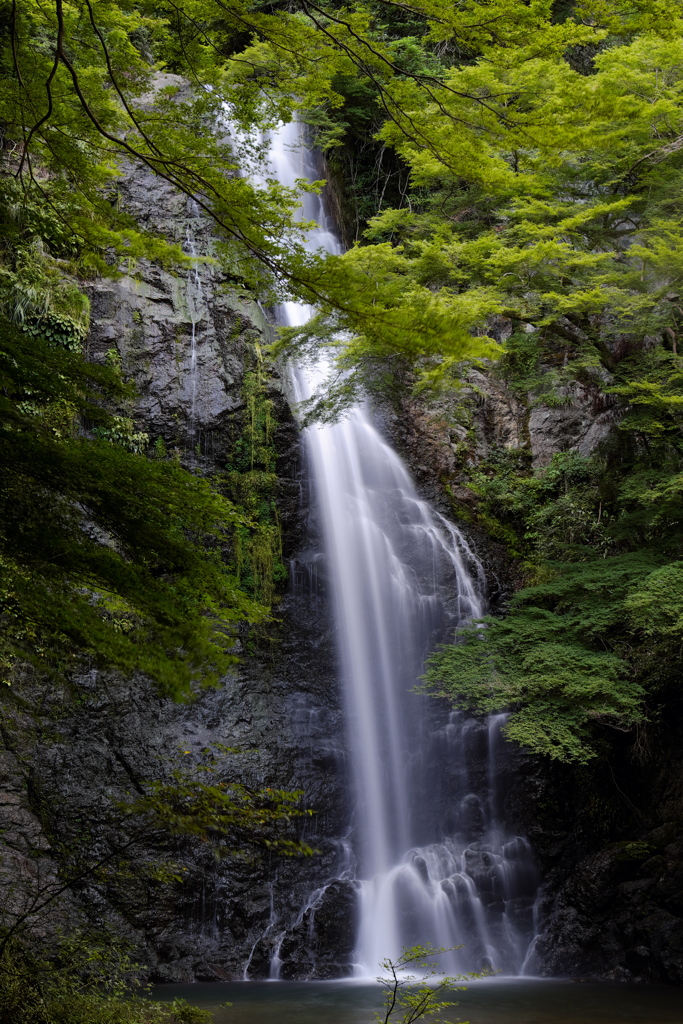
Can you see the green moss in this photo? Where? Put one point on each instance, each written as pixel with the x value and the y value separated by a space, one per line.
pixel 635 851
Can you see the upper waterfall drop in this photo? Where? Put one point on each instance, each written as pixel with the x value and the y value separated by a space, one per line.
pixel 434 861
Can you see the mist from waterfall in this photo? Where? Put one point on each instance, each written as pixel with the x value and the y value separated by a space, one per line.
pixel 433 861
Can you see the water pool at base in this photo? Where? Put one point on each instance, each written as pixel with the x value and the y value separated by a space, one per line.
pixel 500 1001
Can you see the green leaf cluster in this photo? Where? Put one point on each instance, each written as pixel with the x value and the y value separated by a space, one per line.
pixel 413 997
pixel 542 185
pixel 81 982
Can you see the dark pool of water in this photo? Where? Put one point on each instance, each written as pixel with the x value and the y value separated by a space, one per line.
pixel 496 1001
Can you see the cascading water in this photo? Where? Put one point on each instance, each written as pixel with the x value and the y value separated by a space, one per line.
pixel 434 860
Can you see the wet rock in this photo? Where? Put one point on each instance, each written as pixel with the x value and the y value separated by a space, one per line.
pixel 320 945
pixel 207 925
pixel 611 847
pixel 186 337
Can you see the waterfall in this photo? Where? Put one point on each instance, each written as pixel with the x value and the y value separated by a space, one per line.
pixel 434 861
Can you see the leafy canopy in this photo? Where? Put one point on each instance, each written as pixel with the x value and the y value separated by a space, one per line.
pixel 544 186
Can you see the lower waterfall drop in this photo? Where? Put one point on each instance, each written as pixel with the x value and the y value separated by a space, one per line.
pixel 434 860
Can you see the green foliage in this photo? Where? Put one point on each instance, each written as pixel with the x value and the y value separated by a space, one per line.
pixel 411 997
pixel 594 637
pixel 58 329
pixel 105 553
pixel 656 607
pixel 80 983
pixel 540 189
pixel 555 513
pixel 252 484
pixel 36 294
pixel 541 662
pixel 184 1013
pixel 121 430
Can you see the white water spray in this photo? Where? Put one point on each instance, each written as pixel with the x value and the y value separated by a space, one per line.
pixel 434 860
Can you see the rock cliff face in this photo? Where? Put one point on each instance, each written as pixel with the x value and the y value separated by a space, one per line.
pixel 612 843
pixel 187 339
pixel 610 847
pixel 208 926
